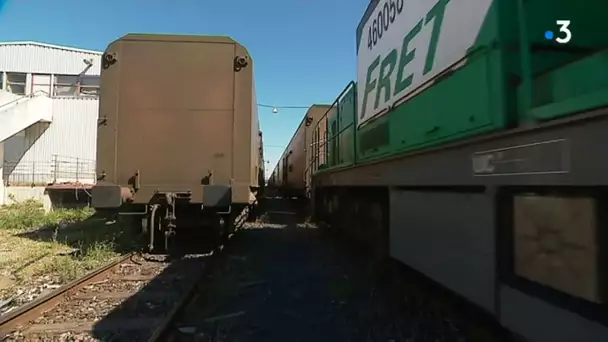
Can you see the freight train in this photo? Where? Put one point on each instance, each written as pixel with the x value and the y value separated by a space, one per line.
pixel 291 175
pixel 471 148
pixel 179 144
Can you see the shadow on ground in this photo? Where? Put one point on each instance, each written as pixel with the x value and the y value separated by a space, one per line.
pixel 135 318
pixel 283 279
pixel 39 248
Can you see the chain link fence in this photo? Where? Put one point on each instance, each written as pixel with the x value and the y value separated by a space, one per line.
pixel 60 169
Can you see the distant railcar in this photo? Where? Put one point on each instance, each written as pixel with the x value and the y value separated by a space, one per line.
pixel 292 174
pixel 178 142
pixel 262 167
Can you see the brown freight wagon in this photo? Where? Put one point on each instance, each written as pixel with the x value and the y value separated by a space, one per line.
pixel 178 139
pixel 275 180
pixel 262 166
pixel 292 172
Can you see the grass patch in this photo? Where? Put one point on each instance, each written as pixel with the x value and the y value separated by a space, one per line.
pixel 60 245
pixel 30 214
pixel 68 268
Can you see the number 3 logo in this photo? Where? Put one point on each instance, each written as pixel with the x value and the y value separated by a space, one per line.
pixel 564 28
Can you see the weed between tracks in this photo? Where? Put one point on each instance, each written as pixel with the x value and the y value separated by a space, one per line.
pixel 40 251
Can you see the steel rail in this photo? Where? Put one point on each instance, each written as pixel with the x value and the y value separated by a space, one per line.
pixel 35 308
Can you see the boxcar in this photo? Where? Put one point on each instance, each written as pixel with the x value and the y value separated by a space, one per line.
pixel 178 139
pixel 478 133
pixel 262 167
pixel 274 181
pixel 292 173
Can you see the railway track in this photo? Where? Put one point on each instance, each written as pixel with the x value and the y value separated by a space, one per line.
pixel 134 298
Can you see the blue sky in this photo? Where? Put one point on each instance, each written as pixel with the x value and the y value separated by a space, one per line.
pixel 304 50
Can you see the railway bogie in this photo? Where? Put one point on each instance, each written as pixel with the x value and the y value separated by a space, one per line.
pixel 178 141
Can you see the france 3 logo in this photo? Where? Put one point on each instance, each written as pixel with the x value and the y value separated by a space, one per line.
pixel 564 35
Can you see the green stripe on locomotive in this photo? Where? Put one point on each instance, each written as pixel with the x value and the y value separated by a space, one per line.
pixel 496 85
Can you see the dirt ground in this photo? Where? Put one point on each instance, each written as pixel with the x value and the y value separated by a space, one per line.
pixel 285 280
pixel 41 251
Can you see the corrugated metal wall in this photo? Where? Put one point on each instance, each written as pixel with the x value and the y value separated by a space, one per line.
pixel 31 58
pixel 1 173
pixel 73 131
pixel 65 149
pixel 61 151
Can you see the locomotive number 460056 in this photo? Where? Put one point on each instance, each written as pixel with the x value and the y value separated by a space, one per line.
pixel 383 21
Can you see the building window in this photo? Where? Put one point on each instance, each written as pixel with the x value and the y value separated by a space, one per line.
pixel 89 86
pixel 76 86
pixel 15 83
pixel 1 80
pixel 41 83
pixel 65 86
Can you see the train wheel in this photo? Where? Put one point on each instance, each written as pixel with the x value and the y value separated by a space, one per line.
pixel 169 240
pixel 228 225
pixel 142 232
pixel 132 223
pixel 217 229
pixel 252 212
pixel 108 215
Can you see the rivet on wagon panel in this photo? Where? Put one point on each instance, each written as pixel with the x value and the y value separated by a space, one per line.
pixel 164 147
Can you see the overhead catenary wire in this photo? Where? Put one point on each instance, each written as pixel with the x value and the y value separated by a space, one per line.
pixel 282 107
pixel 275 109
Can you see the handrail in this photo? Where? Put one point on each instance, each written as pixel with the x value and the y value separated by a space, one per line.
pixel 319 142
pixel 32 95
pixel 327 140
pixel 336 101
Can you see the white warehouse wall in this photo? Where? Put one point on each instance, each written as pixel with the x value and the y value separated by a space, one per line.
pixel 63 150
pixel 33 57
pixel 1 172
pixel 67 145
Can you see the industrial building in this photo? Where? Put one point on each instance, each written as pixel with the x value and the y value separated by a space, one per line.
pixel 48 119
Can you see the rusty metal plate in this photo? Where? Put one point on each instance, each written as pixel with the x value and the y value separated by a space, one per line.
pixel 555 243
